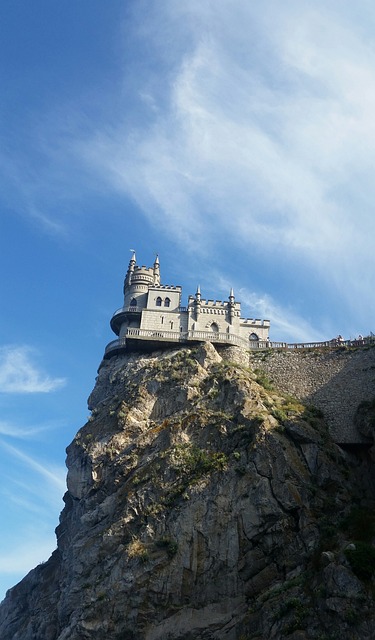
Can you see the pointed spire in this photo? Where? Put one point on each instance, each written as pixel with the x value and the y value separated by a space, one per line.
pixel 197 302
pixel 128 277
pixel 157 270
pixel 231 306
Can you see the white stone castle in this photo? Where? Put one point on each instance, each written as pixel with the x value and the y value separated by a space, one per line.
pixel 152 317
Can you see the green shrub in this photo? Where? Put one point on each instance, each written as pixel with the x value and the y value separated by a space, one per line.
pixel 188 459
pixel 169 545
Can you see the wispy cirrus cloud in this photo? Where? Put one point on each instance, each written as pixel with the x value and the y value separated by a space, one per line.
pixel 31 493
pixel 253 126
pixel 55 476
pixel 287 324
pixel 19 374
pixel 264 135
pixel 16 431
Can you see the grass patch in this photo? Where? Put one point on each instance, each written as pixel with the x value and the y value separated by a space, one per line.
pixel 137 549
pixel 190 460
pixel 263 380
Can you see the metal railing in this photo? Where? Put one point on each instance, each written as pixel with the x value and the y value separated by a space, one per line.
pixel 126 310
pixel 327 344
pixel 134 308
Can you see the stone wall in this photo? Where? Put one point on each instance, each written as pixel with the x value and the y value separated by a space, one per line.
pixel 334 381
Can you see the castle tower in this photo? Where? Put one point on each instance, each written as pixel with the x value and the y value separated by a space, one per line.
pixel 137 282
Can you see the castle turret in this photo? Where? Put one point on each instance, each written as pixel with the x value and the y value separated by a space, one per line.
pixel 130 271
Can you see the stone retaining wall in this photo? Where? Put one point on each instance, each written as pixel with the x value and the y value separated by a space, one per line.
pixel 334 381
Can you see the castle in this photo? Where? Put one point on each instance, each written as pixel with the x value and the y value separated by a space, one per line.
pixel 152 316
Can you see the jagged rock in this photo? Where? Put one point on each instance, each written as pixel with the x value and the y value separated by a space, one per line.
pixel 327 557
pixel 196 510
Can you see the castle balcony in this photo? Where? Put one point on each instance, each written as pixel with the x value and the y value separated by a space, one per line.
pixel 150 340
pixel 121 315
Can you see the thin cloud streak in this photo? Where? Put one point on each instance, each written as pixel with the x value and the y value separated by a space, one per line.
pixel 18 374
pixel 55 476
pixel 24 433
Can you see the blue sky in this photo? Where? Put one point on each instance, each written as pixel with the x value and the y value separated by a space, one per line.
pixel 234 138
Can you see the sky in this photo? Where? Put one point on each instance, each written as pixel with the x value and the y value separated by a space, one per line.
pixel 235 139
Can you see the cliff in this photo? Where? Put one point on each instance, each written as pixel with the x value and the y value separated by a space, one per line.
pixel 203 505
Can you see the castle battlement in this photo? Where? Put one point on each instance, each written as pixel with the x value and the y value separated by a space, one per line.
pixel 152 316
pixel 166 287
pixel 256 323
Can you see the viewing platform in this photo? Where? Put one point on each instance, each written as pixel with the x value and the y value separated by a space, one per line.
pixel 150 340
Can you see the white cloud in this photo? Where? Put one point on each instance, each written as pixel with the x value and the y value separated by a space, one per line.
pixel 287 325
pixel 254 124
pixel 18 374
pixel 266 136
pixel 15 431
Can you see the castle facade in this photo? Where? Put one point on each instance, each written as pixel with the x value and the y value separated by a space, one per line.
pixel 152 316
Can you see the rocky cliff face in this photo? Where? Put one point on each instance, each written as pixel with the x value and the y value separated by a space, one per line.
pixel 203 505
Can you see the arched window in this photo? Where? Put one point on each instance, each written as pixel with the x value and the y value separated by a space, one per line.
pixel 158 301
pixel 167 302
pixel 133 302
pixel 253 336
pixel 214 327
